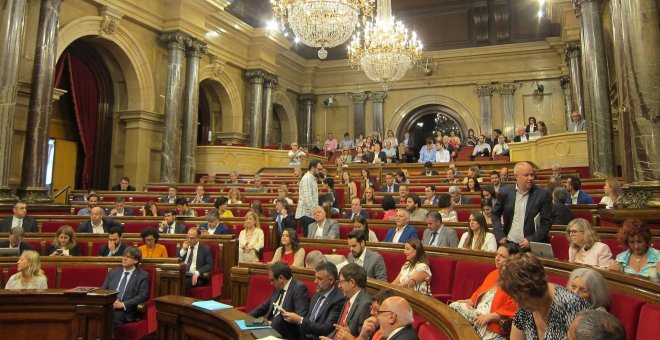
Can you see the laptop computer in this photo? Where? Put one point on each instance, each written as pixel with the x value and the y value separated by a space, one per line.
pixel 543 250
pixel 9 251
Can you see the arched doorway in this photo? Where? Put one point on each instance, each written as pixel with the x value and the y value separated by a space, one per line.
pixel 424 121
pixel 214 112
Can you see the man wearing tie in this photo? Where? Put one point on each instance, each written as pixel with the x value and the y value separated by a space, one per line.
pixel 283 219
pixel 353 283
pixel 389 186
pixel 169 225
pixel 19 219
pixel 326 305
pixel 132 283
pixel 437 234
pixel 290 293
pixel 197 257
pixel 356 210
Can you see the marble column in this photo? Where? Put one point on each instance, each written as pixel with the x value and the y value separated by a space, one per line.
pixel 269 83
pixel 256 78
pixel 598 114
pixel 171 134
pixel 485 110
pixel 506 91
pixel 11 33
pixel 572 54
pixel 308 100
pixel 378 99
pixel 194 51
pixel 565 82
pixel 359 98
pixel 35 158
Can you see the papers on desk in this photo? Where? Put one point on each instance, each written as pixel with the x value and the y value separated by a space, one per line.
pixel 211 305
pixel 241 324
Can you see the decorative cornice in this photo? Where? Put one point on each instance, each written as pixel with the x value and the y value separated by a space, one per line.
pixel 507 88
pixel 270 80
pixel 378 96
pixel 307 98
pixel 174 40
pixel 111 19
pixel 573 49
pixel 257 76
pixel 195 48
pixel 358 97
pixel 484 90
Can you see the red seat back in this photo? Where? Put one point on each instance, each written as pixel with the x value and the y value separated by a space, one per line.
pixel 462 215
pixel 615 246
pixel 468 277
pixel 646 329
pixel 627 309
pixel 560 247
pixel 52 226
pixel 36 244
pixel 441 283
pixel 74 276
pixel 393 263
pixel 49 271
pixel 311 287
pixel 428 331
pixel 137 227
pixel 170 246
pixel 259 290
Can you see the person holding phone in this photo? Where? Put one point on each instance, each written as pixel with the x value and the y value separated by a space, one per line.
pixel 64 243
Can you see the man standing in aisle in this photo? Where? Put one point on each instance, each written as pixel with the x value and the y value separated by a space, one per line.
pixel 308 195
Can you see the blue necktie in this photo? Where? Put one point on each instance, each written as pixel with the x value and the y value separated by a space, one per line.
pixel 122 285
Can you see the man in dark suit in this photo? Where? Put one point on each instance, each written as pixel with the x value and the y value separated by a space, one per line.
pixel 114 246
pixel 389 185
pixel 437 234
pixel 98 224
pixel 119 209
pixel 353 283
pixel 456 197
pixel 169 224
pixel 372 262
pixel 132 283
pixel 522 136
pixel 378 156
pixel 356 210
pixel 289 293
pixel 200 196
pixel 123 185
pixel 428 170
pixel 19 219
pixel 171 196
pixel 325 307
pixel 530 224
pixel 213 225
pixel 197 257
pixel 282 217
pixel 403 230
pixel 395 317
pixel 430 197
pixel 16 241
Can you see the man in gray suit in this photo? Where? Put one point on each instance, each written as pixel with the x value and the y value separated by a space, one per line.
pixel 372 262
pixel 577 123
pixel 353 283
pixel 437 234
pixel 323 227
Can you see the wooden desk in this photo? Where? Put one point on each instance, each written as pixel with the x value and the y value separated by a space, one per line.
pixel 179 319
pixel 51 314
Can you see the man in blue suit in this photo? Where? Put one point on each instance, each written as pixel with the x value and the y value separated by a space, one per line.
pixel 213 225
pixel 403 230
pixel 577 196
pixel 356 210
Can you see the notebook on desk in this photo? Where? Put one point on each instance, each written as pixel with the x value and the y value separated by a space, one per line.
pixel 9 251
pixel 267 333
pixel 543 250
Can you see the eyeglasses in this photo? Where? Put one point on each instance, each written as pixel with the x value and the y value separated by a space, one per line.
pixel 383 311
pixel 573 232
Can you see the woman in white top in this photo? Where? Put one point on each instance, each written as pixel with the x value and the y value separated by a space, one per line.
pixel 446 209
pixel 477 237
pixel 585 247
pixel 234 196
pixel 612 192
pixel 441 154
pixel 415 273
pixel 251 239
pixel 391 138
pixel 295 155
pixel 360 223
pixel 30 275
pixel 283 193
pixel 359 141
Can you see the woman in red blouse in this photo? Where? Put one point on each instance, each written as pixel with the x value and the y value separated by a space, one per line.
pixel 290 252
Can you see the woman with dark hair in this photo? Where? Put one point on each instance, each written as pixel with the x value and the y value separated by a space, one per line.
pixel 415 273
pixel 490 304
pixel 366 179
pixel 151 248
pixel 221 205
pixel 389 207
pixel 545 310
pixel 401 178
pixel 531 127
pixel 473 185
pixel 290 252
pixel 360 156
pixel 640 258
pixel 488 193
pixel 471 139
pixel 64 243
pixel 150 209
pixel 477 236
pixel 486 208
pixel 447 209
pixel 347 179
pixel 360 223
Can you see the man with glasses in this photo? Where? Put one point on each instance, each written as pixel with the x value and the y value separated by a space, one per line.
pixel 395 318
pixel 353 283
pixel 197 257
pixel 577 123
pixel 132 283
pixel 98 224
pixel 308 195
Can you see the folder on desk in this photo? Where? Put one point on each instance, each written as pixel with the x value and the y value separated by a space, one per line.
pixel 266 334
pixel 211 305
pixel 241 324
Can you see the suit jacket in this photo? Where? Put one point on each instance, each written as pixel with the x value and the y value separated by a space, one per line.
pixel 21 247
pixel 295 300
pixel 395 187
pixel 166 199
pixel 29 224
pixel 205 199
pixel 434 201
pixel 406 333
pixel 561 214
pixel 118 188
pixel 433 173
pixel 127 211
pixel 408 232
pixel 219 230
pixel 136 292
pixel 580 126
pixel 326 317
pixel 465 200
pixel 373 264
pixel 204 259
pixel 330 230
pixel 358 313
pixel 538 202
pixel 446 237
pixel 288 222
pixel 583 198
pixel 178 229
pixel 516 138
pixel 105 250
pixel 86 227
pixel 381 155
pixel 362 213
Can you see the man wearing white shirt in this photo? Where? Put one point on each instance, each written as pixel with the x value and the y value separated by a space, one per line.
pixel 501 148
pixel 323 227
pixel 522 136
pixel 481 149
pixel 19 219
pixel 437 234
pixel 441 154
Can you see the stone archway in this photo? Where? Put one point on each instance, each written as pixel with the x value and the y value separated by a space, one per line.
pixel 287 116
pixel 423 121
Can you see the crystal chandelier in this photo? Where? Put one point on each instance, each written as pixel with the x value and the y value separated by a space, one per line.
pixel 387 49
pixel 322 23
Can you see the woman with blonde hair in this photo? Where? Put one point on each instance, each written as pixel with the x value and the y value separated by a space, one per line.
pixel 64 243
pixel 234 196
pixel 585 246
pixel 368 196
pixel 477 237
pixel 30 275
pixel 251 239
pixel 612 192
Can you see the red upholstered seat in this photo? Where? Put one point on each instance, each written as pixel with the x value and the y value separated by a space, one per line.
pixel 558 280
pixel 428 331
pixel 615 246
pixel 560 247
pixel 344 230
pixel 586 214
pixel 311 287
pixel 468 277
pixel 627 309
pixel 137 227
pixel 259 290
pixel 74 276
pixel 377 214
pixel 52 226
pixel 393 263
pixel 214 288
pixel 418 321
pixel 647 329
pixel 381 232
pixel 463 215
pixel 36 245
pixel 441 282
pixel 170 246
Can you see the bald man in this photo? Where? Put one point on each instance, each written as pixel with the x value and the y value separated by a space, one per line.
pixel 98 224
pixel 394 317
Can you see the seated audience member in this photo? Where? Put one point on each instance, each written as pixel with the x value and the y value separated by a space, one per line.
pixel 577 196
pixel 577 123
pixel 92 201
pixel 556 173
pixel 29 275
pixel 456 197
pixel 322 227
pixel 428 170
pixel 257 208
pixel 504 175
pixel 590 285
pixel 612 193
pixel 489 297
pixel 477 236
pixel 200 196
pixel 282 217
pixel 368 196
pixel 379 156
pixel 330 145
pixel 250 239
pixel 403 194
pixel 371 324
pixel 132 283
pixel 521 136
pixel 325 306
pixel 372 262
pixel 222 208
pixel 414 207
pixel 403 230
pixel 119 209
pixel 471 139
pixel 488 193
pixel 640 258
pixel 329 199
pixel 475 172
pixel 415 272
pixel 367 181
pixel 197 257
pixel 390 186
pixel 486 208
pixel 172 195
pixel 360 155
pixel 19 219
pixel 16 241
pixel 346 157
pixel 234 196
pixel 356 209
pixel 169 225
pixel 297 172
pixel 561 214
pixel 437 234
pixel 451 177
pixel 360 223
pixel 501 148
pixel 472 185
pixel 596 324
pixel 524 279
pixel 314 258
pixel 394 320
pixel 447 208
pixel 353 284
pixel 389 208
pixel 290 251
pixel 427 152
pixel 98 224
pixel 258 185
pixel 585 246
pixel 430 196
pixel 150 209
pixel 213 225
pixel 482 148
pixel 124 185
pixel 114 246
pixel 283 193
pixel 64 243
pixel 402 177
pixel 233 178
pixel 151 248
pixel 543 129
pixel 290 294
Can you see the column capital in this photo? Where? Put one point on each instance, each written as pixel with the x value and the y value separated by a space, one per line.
pixel 565 82
pixel 195 48
pixel 174 40
pixel 257 76
pixel 308 98
pixel 111 19
pixel 573 49
pixel 484 90
pixel 507 88
pixel 378 96
pixel 270 80
pixel 577 6
pixel 358 97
